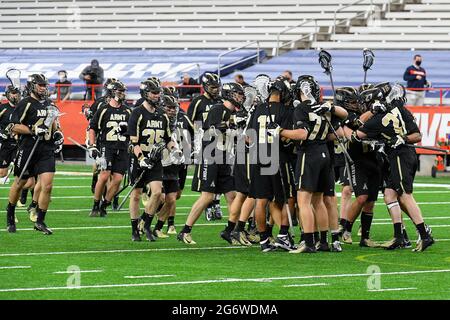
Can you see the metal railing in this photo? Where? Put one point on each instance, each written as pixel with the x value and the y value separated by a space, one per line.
pixel 347 20
pixel 292 42
pixel 258 49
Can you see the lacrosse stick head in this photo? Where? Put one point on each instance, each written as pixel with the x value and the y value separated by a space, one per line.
pixel 308 87
pixel 325 61
pixel 261 84
pixel 250 96
pixel 13 76
pixel 397 96
pixel 52 114
pixel 368 58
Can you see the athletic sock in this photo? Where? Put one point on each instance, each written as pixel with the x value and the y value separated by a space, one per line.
pixel 323 236
pixel 398 230
pixel 105 204
pixel 348 226
pixel 186 229
pixel 33 204
pixel 171 221
pixel 263 236
pixel 269 228
pixel 309 239
pixel 283 230
pixel 302 235
pixel 250 223
pixel 159 225
pixel 32 192
pixel 96 205
pixel 23 196
pixel 40 215
pixel 10 213
pixel 422 231
pixel 316 236
pixel 343 222
pixel 334 235
pixel 144 216
pixel 134 225
pixel 240 226
pixel 366 222
pixel 230 226
pixel 150 218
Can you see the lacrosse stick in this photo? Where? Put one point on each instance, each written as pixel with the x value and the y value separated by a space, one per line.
pixel 368 58
pixel 13 76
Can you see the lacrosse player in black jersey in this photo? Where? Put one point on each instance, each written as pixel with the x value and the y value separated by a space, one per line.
pixel 312 120
pixel 89 112
pixel 394 124
pixel 197 112
pixel 271 182
pixel 34 121
pixel 108 128
pixel 8 144
pixel 214 172
pixel 150 133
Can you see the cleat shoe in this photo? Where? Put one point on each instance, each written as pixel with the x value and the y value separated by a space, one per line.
pixel 347 237
pixel 423 244
pixel 368 243
pixel 135 236
pixel 33 214
pixel 242 238
pixel 406 241
pixel 115 203
pixel 324 247
pixel 341 230
pixel 171 230
pixel 217 212
pixel 160 234
pixel 11 228
pixel 359 234
pixel 253 236
pixel 102 212
pixel 226 235
pixel 209 214
pixel 285 243
pixel 21 204
pixel 303 248
pixel 15 219
pixel 149 235
pixel 94 213
pixel 266 246
pixel 186 238
pixel 272 240
pixel 394 243
pixel 428 230
pixel 336 247
pixel 41 226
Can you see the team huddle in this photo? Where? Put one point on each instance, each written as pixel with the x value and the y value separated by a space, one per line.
pixel 274 149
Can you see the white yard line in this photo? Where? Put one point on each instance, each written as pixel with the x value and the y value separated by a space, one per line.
pixel 177 283
pixel 14 267
pixel 391 289
pixel 305 285
pixel 81 271
pixel 27 254
pixel 150 276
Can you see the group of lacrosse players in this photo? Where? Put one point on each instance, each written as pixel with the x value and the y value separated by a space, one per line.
pixel 274 149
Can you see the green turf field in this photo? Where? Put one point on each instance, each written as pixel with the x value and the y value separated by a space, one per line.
pixel 34 266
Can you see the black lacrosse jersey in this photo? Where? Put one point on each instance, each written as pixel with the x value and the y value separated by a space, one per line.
pixel 199 107
pixel 148 127
pixel 106 123
pixel 217 116
pixel 97 104
pixel 388 126
pixel 262 116
pixel 317 126
pixel 31 112
pixel 359 150
pixel 6 111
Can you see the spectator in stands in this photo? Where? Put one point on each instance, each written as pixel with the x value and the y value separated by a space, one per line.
pixel 93 75
pixel 416 78
pixel 239 78
pixel 188 92
pixel 287 74
pixel 63 87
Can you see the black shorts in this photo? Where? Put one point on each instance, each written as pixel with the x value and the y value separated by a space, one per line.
pixel 214 178
pixel 42 161
pixel 170 186
pixel 263 186
pixel 368 178
pixel 8 152
pixel 242 178
pixel 116 160
pixel 313 171
pixel 341 175
pixel 182 174
pixel 403 167
pixel 154 174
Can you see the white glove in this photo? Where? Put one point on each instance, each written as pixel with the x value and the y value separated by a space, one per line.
pixel 40 131
pixel 101 163
pixel 145 162
pixel 398 142
pixel 378 107
pixel 93 152
pixel 322 109
pixel 176 156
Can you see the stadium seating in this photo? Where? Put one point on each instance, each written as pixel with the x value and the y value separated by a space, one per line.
pixel 163 24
